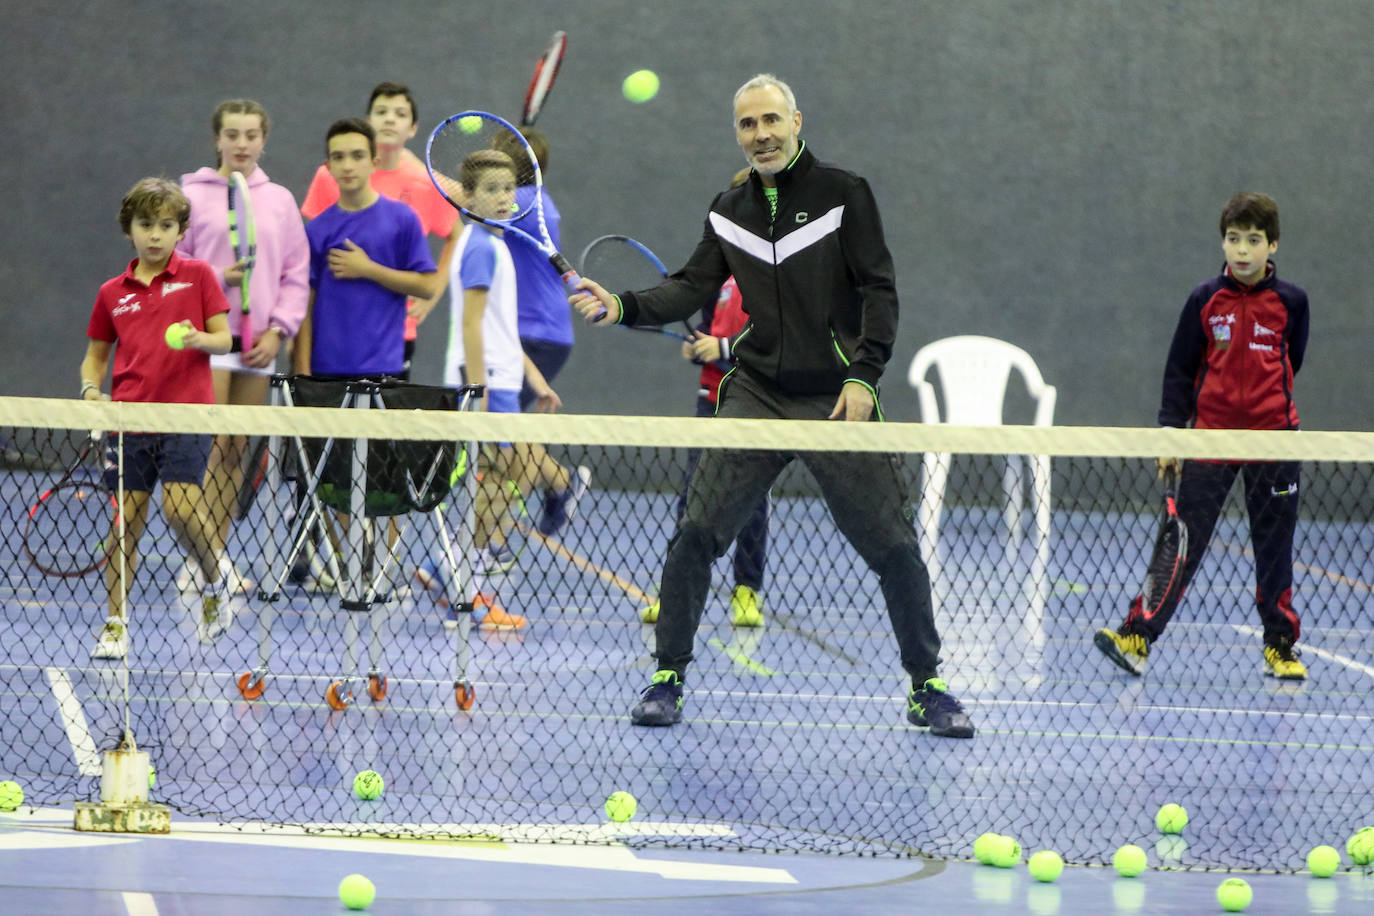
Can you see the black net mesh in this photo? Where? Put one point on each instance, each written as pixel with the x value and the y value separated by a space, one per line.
pixel 495 703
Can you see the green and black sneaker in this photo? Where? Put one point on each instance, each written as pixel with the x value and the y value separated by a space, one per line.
pixel 933 705
pixel 661 702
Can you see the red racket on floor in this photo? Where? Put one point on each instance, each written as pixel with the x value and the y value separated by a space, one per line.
pixel 67 528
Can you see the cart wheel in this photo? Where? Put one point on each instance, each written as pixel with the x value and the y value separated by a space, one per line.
pixel 376 686
pixel 464 694
pixel 337 697
pixel 250 690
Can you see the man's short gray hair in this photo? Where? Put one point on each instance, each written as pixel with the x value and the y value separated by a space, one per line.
pixel 763 81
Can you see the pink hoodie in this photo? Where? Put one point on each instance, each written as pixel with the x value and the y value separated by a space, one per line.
pixel 279 289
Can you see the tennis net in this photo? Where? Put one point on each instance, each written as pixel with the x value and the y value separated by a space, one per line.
pixel 794 734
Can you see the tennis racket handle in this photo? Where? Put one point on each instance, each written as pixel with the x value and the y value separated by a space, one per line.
pixel 570 277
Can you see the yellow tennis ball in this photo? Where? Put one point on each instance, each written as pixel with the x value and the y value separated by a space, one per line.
pixel 1234 895
pixel 621 806
pixel 152 776
pixel 1360 847
pixel 640 86
pixel 470 124
pixel 175 335
pixel 1129 860
pixel 1323 861
pixel 356 892
pixel 983 846
pixel 368 785
pixel 1006 852
pixel 1045 865
pixel 11 795
pixel 1171 818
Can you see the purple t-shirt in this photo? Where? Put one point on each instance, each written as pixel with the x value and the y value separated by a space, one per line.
pixel 358 326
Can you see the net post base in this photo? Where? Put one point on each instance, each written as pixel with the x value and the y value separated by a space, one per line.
pixel 144 817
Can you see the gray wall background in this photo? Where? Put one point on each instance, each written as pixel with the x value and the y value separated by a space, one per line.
pixel 1049 172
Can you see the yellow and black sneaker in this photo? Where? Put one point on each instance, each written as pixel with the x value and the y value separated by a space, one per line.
pixel 661 702
pixel 1281 661
pixel 1130 651
pixel 933 705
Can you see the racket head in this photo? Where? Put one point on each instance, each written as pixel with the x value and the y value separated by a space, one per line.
pixel 66 531
pixel 471 137
pixel 541 83
pixel 241 213
pixel 1164 575
pixel 619 262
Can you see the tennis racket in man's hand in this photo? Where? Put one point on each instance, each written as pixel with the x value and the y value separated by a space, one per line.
pixel 69 525
pixel 1164 577
pixel 457 140
pixel 545 72
pixel 620 262
pixel 243 238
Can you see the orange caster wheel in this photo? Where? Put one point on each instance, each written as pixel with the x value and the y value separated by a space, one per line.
pixel 337 696
pixel 250 689
pixel 376 686
pixel 464 695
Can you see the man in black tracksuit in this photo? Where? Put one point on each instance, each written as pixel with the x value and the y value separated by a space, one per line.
pixel 805 244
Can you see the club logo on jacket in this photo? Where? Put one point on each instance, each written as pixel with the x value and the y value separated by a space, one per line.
pixel 1221 330
pixel 802 216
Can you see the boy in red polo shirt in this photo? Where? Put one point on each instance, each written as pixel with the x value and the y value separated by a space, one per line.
pixel 134 310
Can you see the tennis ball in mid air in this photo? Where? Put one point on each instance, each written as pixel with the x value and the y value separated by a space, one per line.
pixel 1129 860
pixel 1171 818
pixel 356 892
pixel 368 785
pixel 1234 895
pixel 640 86
pixel 176 335
pixel 470 124
pixel 11 795
pixel 1360 847
pixel 1323 861
pixel 1005 852
pixel 1045 865
pixel 621 806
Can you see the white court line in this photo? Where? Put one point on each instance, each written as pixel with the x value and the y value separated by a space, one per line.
pixel 1306 647
pixel 139 904
pixel 74 721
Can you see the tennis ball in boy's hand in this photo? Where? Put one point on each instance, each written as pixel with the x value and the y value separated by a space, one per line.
pixel 470 124
pixel 1234 895
pixel 176 335
pixel 621 806
pixel 1171 818
pixel 1323 861
pixel 1045 865
pixel 356 892
pixel 368 785
pixel 640 86
pixel 11 795
pixel 1129 860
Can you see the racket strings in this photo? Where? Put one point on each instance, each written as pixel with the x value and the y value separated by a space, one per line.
pixel 618 265
pixel 475 139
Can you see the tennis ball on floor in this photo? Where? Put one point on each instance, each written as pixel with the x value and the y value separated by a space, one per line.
pixel 1006 852
pixel 1171 818
pixel 621 806
pixel 368 785
pixel 1323 861
pixel 1360 847
pixel 1234 895
pixel 640 86
pixel 1129 861
pixel 356 892
pixel 176 335
pixel 470 124
pixel 1045 865
pixel 152 776
pixel 982 847
pixel 11 795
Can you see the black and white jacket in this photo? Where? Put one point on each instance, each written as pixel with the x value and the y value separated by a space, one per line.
pixel 817 279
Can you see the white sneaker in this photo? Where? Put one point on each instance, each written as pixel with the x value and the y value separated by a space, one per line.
pixel 190 579
pixel 113 640
pixel 215 614
pixel 235 582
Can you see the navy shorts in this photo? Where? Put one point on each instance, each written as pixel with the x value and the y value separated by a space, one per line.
pixel 150 457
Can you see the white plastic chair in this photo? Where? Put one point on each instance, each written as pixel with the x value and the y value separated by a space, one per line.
pixel 974 372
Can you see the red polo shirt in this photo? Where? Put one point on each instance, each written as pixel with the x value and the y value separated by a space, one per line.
pixel 134 317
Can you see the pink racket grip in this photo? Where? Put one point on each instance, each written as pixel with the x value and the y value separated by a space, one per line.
pixel 570 277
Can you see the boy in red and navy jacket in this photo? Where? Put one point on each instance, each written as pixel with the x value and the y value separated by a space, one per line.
pixel 1238 345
